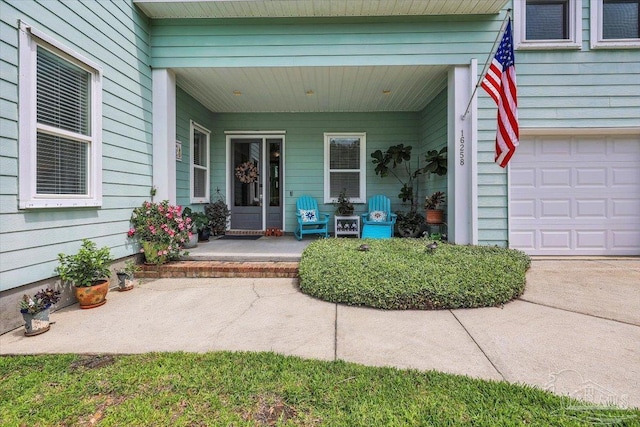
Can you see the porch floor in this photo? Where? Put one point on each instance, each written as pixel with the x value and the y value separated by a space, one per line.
pixel 264 257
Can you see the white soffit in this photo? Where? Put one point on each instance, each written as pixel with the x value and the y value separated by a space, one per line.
pixel 313 89
pixel 313 8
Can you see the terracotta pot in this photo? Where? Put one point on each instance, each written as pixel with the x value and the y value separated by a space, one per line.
pixel 93 296
pixel 435 216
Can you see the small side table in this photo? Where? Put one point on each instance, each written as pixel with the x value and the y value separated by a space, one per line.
pixel 347 225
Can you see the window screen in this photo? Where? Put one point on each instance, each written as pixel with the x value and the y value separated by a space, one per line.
pixel 547 20
pixel 620 19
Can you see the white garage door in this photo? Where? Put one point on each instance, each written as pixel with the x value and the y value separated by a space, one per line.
pixel 576 195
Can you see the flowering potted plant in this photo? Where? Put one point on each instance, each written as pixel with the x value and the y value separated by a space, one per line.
pixel 88 271
pixel 35 311
pixel 161 230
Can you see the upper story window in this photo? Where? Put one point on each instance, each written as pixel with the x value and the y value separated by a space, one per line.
pixel 345 166
pixel 60 125
pixel 614 23
pixel 199 148
pixel 545 24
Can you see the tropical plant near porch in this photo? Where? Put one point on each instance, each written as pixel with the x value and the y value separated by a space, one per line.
pixel 397 156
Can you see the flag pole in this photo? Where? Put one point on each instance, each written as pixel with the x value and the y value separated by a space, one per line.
pixel 484 70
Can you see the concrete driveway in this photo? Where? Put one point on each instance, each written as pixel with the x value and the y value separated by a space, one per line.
pixel 576 330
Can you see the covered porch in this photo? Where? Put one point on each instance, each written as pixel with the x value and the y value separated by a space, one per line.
pixel 267 90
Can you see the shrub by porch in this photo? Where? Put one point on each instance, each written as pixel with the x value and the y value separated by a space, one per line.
pixel 405 274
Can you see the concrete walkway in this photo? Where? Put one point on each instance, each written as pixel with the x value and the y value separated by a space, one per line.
pixel 576 330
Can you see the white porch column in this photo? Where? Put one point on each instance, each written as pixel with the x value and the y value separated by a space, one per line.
pixel 462 156
pixel 164 134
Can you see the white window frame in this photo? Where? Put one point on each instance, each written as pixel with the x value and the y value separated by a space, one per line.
pixel 597 42
pixel 327 164
pixel 29 40
pixel 192 166
pixel 520 28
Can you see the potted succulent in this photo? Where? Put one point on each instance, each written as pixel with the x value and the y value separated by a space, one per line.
pixel 88 271
pixel 126 276
pixel 431 203
pixel 344 207
pixel 35 311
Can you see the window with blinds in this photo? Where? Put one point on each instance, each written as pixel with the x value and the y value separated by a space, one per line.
pixel 199 164
pixel 60 124
pixel 63 126
pixel 345 166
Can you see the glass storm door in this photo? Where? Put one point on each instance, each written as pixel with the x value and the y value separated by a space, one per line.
pixel 246 184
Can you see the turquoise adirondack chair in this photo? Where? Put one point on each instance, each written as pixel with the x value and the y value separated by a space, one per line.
pixel 379 221
pixel 310 220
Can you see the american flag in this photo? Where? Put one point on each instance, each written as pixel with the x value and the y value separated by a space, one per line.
pixel 500 84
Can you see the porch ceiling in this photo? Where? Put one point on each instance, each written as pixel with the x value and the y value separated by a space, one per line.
pixel 313 8
pixel 313 89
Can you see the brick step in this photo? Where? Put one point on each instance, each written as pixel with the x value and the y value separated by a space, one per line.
pixel 197 269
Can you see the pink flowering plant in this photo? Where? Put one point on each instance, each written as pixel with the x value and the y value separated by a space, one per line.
pixel 161 229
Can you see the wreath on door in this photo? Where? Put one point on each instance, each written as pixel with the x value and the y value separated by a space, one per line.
pixel 247 172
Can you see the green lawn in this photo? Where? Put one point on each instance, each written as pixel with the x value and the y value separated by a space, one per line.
pixel 264 389
pixel 405 274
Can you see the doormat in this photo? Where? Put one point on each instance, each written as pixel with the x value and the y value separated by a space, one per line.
pixel 241 237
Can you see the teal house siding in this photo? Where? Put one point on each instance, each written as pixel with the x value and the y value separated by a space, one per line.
pixel 114 35
pixel 432 40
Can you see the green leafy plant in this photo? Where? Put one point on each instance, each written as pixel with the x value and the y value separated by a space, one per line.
pixel 344 206
pixel 398 156
pixel 386 163
pixel 87 266
pixel 42 300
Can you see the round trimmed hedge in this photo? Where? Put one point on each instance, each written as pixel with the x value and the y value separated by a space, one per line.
pixel 404 274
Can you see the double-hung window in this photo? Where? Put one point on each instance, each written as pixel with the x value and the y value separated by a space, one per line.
pixel 199 148
pixel 615 23
pixel 345 166
pixel 545 24
pixel 60 125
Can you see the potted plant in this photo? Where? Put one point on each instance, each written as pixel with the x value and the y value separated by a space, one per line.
pixel 344 207
pixel 161 231
pixel 202 226
pixel 187 216
pixel 126 275
pixel 35 311
pixel 88 271
pixel 431 203
pixel 218 213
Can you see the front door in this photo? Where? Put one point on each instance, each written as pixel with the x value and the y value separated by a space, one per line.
pixel 256 182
